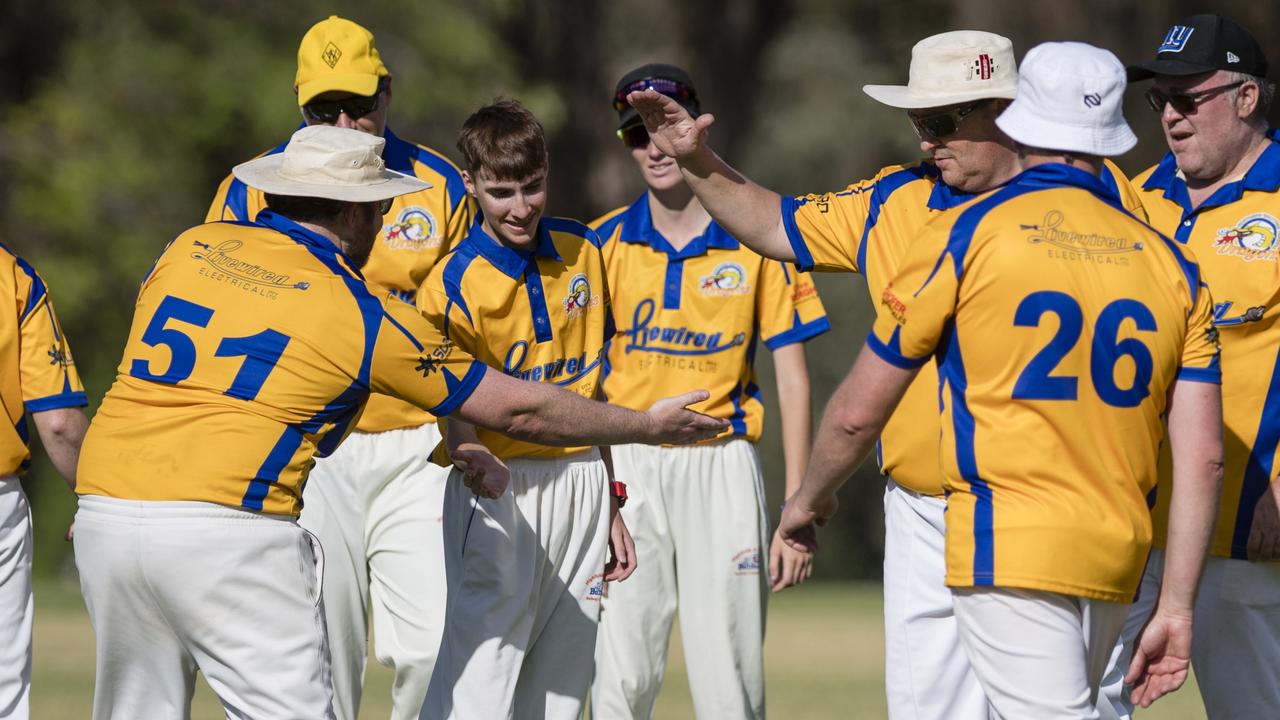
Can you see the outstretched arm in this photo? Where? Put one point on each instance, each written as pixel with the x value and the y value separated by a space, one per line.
pixel 1163 652
pixel 542 413
pixel 61 431
pixel 750 213
pixel 850 426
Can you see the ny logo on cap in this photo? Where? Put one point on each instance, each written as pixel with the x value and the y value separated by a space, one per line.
pixel 331 55
pixel 1176 39
pixel 982 68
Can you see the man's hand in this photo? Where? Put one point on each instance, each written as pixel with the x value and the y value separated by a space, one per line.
pixel 622 549
pixel 1264 534
pixel 801 517
pixel 787 565
pixel 670 127
pixel 1161 658
pixel 675 424
pixel 482 472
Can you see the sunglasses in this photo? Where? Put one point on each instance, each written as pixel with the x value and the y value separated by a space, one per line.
pixel 670 88
pixel 355 107
pixel 942 124
pixel 1185 103
pixel 634 136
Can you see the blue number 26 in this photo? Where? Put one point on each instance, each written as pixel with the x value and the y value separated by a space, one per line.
pixel 1036 381
pixel 261 351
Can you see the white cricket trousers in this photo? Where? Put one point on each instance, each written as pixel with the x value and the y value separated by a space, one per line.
pixel 176 587
pixel 15 600
pixel 1038 654
pixel 1235 638
pixel 376 506
pixel 927 673
pixel 697 516
pixel 526 572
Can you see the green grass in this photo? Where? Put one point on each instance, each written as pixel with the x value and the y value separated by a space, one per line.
pixel 824 659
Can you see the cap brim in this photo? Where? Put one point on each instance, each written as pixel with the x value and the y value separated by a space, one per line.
pixel 1026 128
pixel 264 174
pixel 361 84
pixel 902 96
pixel 1147 70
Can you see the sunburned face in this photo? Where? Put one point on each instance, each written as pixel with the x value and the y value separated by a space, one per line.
pixel 976 156
pixel 511 208
pixel 1211 135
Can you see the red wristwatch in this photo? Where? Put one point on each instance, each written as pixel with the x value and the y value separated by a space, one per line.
pixel 618 490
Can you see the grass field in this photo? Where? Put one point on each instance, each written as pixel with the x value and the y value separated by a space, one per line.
pixel 823 660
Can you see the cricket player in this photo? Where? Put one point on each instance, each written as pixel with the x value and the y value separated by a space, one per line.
pixel 959 83
pixel 1217 192
pixel 252 351
pixel 375 503
pixel 691 303
pixel 526 558
pixel 39 383
pixel 1064 329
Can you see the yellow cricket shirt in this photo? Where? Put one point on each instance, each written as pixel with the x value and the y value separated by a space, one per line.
pixel 39 373
pixel 417 231
pixel 253 348
pixel 1235 235
pixel 691 318
pixel 867 228
pixel 540 316
pixel 1059 322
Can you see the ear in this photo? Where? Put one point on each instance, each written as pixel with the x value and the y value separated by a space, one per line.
pixel 1247 99
pixel 468 183
pixel 387 89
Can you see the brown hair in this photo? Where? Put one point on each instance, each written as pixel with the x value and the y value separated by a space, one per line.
pixel 504 139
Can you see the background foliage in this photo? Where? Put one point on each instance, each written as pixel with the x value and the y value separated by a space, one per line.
pixel 119 119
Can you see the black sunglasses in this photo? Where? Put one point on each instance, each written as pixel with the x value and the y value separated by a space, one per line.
pixel 943 124
pixel 356 106
pixel 1186 103
pixel 634 136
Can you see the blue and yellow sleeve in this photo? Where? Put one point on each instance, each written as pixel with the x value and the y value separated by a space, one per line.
pixel 414 362
pixel 1200 351
pixel 826 230
pixel 919 303
pixel 788 306
pixel 48 373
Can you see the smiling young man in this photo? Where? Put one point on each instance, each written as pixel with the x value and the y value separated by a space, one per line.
pixel 525 294
pixel 1217 191
pixel 375 503
pixel 698 514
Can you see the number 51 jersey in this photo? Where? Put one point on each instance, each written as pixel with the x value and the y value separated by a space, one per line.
pixel 253 349
pixel 1059 322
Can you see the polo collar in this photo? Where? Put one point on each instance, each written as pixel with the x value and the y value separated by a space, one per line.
pixel 513 263
pixel 1263 176
pixel 637 227
pixel 1060 174
pixel 282 224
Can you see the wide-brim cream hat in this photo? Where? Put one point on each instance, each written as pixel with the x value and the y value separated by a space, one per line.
pixel 329 162
pixel 954 67
pixel 1070 99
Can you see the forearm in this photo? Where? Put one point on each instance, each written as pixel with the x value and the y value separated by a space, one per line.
pixel 752 214
pixel 1195 440
pixel 61 432
pixel 794 408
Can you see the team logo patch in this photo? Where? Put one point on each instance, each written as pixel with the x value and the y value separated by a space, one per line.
pixel 415 228
pixel 897 309
pixel 727 279
pixel 579 299
pixel 57 356
pixel 982 68
pixel 1176 39
pixel 1253 238
pixel 331 55
pixel 595 588
pixel 747 562
pixel 223 265
pixel 1079 245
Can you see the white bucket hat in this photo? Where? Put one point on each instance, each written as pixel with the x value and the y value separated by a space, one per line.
pixel 329 162
pixel 954 67
pixel 1070 98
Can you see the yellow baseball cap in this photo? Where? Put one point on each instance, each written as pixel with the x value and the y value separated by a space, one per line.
pixel 337 55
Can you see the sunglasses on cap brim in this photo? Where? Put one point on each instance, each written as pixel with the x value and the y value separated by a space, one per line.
pixel 670 88
pixel 944 123
pixel 355 107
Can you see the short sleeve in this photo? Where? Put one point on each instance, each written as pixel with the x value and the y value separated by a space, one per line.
pixel 412 360
pixel 48 373
pixel 446 309
pixel 918 304
pixel 826 230
pixel 1200 352
pixel 788 306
